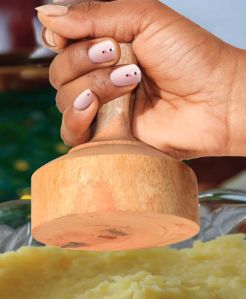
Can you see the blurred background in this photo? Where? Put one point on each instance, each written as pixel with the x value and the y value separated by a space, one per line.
pixel 29 120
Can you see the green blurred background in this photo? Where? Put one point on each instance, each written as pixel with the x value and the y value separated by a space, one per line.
pixel 29 137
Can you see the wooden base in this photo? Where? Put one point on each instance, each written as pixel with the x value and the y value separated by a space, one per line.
pixel 115 230
pixel 114 195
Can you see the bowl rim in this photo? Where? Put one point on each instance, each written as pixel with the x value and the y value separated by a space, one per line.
pixel 235 195
pixel 11 203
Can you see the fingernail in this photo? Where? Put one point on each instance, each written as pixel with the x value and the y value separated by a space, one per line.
pixel 84 100
pixel 102 52
pixel 126 75
pixel 48 38
pixel 53 10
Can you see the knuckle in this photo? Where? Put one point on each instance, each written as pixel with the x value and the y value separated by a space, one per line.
pixel 60 100
pixel 72 126
pixel 54 77
pixel 73 60
pixel 74 131
pixel 69 59
pixel 99 83
pixel 91 7
pixel 149 9
pixel 147 3
pixel 72 138
pixel 65 137
pixel 147 12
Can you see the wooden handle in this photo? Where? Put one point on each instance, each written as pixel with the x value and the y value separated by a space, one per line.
pixel 113 120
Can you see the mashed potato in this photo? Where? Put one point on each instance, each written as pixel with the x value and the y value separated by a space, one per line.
pixel 213 270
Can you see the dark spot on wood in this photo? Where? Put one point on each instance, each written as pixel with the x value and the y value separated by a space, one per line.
pixel 108 237
pixel 116 232
pixel 74 245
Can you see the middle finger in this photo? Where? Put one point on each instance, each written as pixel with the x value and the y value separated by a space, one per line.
pixel 107 83
pixel 81 58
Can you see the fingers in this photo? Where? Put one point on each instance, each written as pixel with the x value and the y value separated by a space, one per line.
pixel 106 83
pixel 121 19
pixel 78 117
pixel 80 104
pixel 81 58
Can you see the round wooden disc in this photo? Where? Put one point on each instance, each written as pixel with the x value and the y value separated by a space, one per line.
pixel 115 231
pixel 109 196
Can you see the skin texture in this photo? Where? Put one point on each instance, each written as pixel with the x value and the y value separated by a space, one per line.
pixel 191 101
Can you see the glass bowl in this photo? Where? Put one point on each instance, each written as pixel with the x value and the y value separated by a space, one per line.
pixel 15 225
pixel 222 212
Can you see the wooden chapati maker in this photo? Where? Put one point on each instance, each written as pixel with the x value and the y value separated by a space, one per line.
pixel 114 192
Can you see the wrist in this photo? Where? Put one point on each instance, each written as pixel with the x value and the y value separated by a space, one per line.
pixel 237 106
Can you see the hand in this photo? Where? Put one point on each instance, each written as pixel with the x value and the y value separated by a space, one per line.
pixel 188 101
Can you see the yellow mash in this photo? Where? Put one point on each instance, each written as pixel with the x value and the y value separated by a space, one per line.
pixel 212 270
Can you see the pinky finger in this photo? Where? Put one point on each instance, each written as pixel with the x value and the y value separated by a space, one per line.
pixel 78 117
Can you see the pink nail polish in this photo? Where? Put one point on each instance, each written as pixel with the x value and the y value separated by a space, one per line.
pixel 84 100
pixel 53 10
pixel 126 75
pixel 102 52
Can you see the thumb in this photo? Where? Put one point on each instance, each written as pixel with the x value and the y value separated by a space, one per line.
pixel 122 19
pixel 52 40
